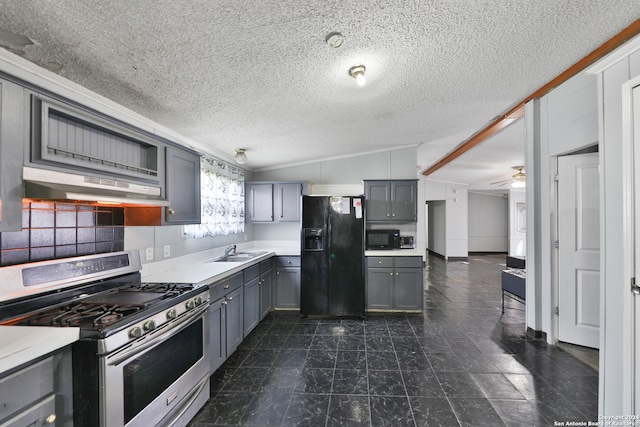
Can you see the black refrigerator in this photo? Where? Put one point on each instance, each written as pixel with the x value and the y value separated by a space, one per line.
pixel 332 264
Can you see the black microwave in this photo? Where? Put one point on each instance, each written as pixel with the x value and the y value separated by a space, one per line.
pixel 383 239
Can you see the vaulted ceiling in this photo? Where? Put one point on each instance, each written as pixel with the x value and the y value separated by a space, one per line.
pixel 261 76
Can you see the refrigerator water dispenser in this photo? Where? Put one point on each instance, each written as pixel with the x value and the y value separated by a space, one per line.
pixel 313 239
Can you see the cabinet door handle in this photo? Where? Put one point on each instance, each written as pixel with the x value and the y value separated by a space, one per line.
pixel 171 211
pixel 278 273
pixel 226 286
pixel 51 419
pixel 390 274
pixel 397 274
pixel 229 298
pixel 379 262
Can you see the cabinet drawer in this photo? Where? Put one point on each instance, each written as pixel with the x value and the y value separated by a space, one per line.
pixel 219 289
pixel 251 272
pixel 408 261
pixel 266 265
pixel 288 261
pixel 25 387
pixel 38 415
pixel 379 261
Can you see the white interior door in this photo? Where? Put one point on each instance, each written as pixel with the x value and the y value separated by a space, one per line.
pixel 579 250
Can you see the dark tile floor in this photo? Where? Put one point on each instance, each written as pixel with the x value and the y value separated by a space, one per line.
pixel 459 363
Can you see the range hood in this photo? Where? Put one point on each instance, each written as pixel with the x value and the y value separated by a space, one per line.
pixel 54 185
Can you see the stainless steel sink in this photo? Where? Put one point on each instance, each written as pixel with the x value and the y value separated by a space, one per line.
pixel 238 257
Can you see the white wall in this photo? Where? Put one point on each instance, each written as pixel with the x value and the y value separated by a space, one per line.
pixel 437 226
pixel 488 222
pixel 615 397
pixel 517 236
pixel 456 237
pixel 559 123
pixel 345 172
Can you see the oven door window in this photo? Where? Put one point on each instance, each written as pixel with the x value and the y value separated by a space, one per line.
pixel 148 375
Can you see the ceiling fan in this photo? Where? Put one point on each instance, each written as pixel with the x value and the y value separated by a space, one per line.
pixel 518 180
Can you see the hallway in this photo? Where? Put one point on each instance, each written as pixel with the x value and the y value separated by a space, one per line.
pixel 459 363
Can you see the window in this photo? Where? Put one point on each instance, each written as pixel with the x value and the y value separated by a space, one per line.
pixel 222 192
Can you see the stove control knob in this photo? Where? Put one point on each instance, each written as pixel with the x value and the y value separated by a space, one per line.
pixel 135 332
pixel 189 304
pixel 171 314
pixel 149 325
pixel 198 300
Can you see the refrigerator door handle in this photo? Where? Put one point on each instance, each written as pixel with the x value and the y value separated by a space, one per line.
pixel 328 237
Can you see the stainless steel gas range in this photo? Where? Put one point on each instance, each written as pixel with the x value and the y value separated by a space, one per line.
pixel 143 354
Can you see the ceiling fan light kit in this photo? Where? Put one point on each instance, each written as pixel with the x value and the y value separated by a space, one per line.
pixel 519 179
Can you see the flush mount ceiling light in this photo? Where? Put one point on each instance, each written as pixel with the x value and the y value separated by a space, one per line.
pixel 357 72
pixel 241 157
pixel 519 179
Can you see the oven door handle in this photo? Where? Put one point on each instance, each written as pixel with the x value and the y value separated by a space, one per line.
pixel 172 329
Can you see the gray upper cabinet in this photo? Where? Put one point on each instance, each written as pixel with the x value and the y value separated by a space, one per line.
pixel 12 140
pixel 182 186
pixel 288 202
pixel 259 202
pixel 65 136
pixel 274 201
pixel 391 200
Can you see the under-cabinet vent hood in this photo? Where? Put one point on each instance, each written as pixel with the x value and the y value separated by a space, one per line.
pixel 53 185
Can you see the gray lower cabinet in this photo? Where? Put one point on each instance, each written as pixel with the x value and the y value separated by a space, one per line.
pixel 251 298
pixel 394 284
pixel 234 330
pixel 218 320
pixel 226 318
pixel 287 292
pixel 12 140
pixel 40 393
pixel 266 287
pixel 380 288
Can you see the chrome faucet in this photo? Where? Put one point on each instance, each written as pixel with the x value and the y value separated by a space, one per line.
pixel 230 249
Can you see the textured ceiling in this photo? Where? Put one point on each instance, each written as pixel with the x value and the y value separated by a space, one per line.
pixel 258 75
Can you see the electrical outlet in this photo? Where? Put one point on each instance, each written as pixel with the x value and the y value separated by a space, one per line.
pixel 149 254
pixel 167 251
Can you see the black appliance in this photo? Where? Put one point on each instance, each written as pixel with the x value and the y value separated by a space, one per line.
pixel 143 354
pixel 332 253
pixel 383 239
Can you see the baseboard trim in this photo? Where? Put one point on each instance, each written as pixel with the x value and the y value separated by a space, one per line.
pixel 536 334
pixel 458 258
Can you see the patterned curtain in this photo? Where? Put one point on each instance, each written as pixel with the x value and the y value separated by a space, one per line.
pixel 222 192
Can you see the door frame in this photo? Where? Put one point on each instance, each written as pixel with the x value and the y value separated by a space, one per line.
pixel 555 253
pixel 629 358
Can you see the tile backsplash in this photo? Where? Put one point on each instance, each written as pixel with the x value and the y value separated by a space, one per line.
pixel 53 230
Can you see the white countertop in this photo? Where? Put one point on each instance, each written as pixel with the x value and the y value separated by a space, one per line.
pixel 197 268
pixel 419 250
pixel 20 344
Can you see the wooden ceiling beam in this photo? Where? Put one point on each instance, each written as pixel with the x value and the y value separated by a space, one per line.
pixel 518 111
